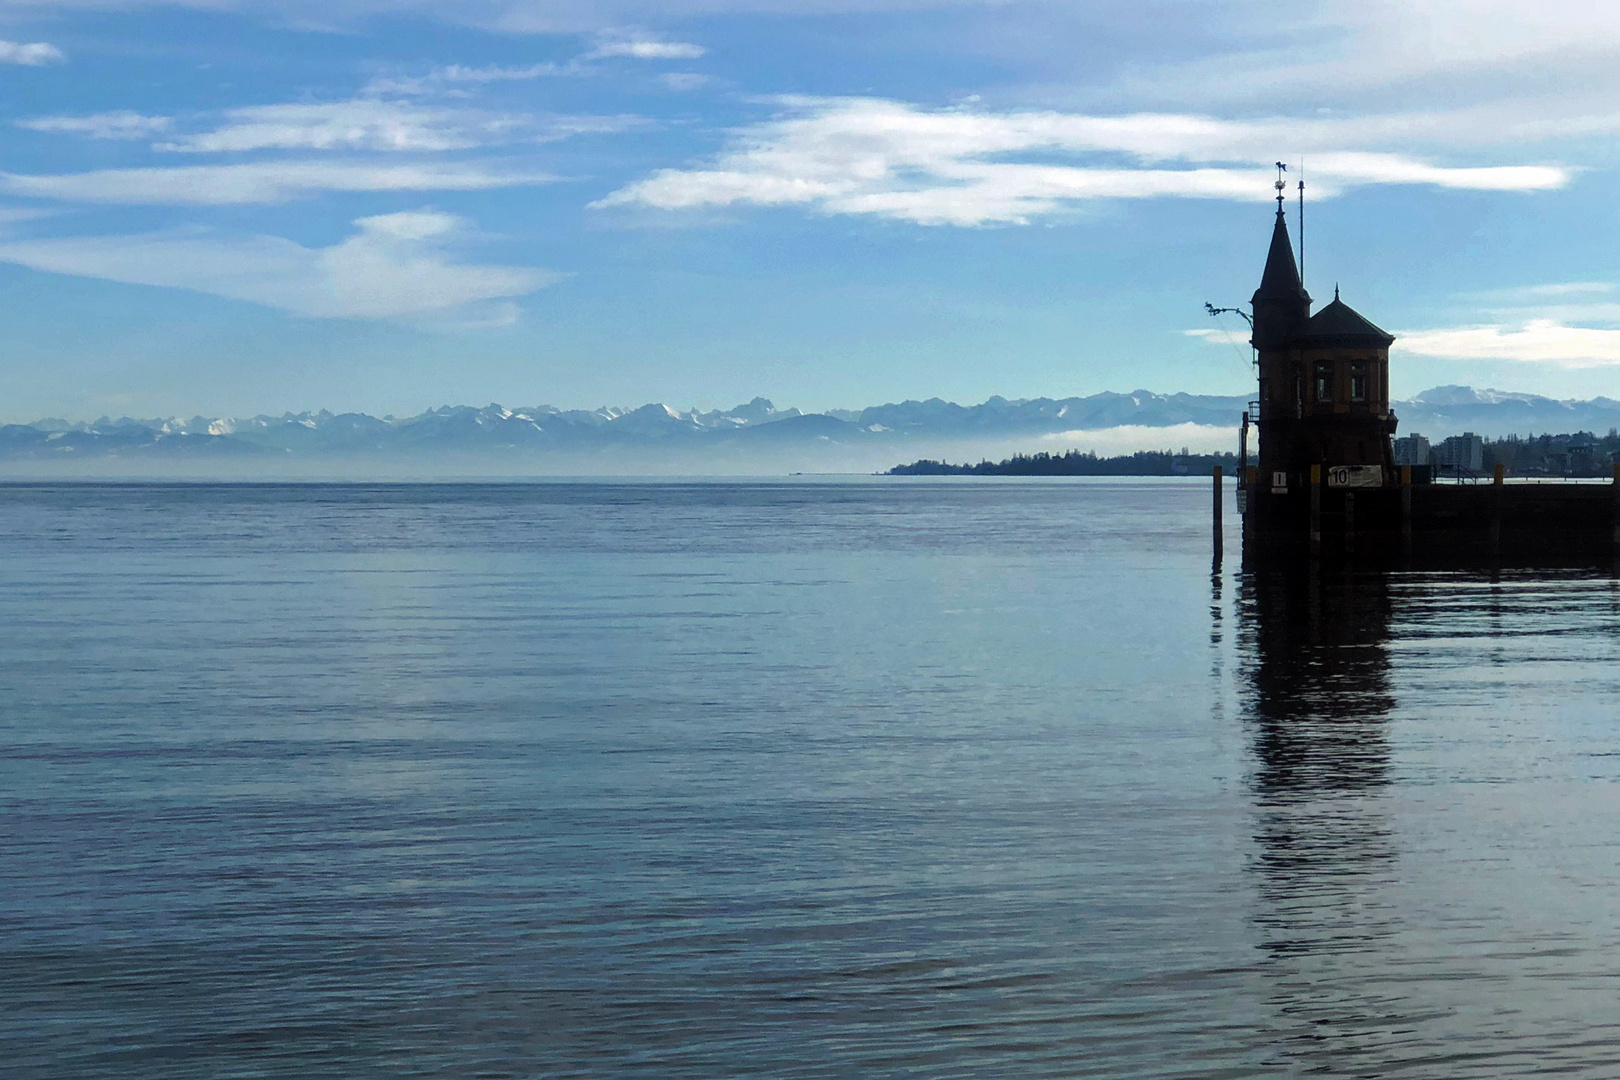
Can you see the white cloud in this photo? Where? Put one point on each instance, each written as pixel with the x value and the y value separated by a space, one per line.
pixel 1129 438
pixel 449 76
pixel 1538 341
pixel 1533 324
pixel 494 73
pixel 511 16
pixel 10 215
pixel 1558 290
pixel 451 79
pixel 1547 336
pixel 260 182
pixel 30 54
pixel 108 125
pixel 646 49
pixel 892 159
pixel 1364 41
pixel 1271 50
pixel 394 266
pixel 361 124
pixel 1258 49
pixel 565 127
pixel 1217 335
pixel 1349 169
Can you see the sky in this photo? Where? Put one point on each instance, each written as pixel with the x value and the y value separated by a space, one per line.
pixel 228 207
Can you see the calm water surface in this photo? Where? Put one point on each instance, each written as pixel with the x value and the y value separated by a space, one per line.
pixel 870 779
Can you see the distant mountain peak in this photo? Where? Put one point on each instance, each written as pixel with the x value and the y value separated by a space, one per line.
pixel 543 429
pixel 1467 395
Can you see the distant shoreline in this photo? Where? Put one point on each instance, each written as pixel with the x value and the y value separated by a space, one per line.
pixel 1076 463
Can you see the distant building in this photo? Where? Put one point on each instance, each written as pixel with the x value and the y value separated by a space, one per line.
pixel 1583 456
pixel 1412 449
pixel 1460 455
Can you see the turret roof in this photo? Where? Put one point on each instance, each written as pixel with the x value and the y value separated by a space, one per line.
pixel 1281 278
pixel 1339 320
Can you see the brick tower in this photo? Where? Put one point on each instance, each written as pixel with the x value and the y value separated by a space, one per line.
pixel 1324 382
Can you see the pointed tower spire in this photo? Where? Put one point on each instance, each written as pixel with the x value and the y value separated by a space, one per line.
pixel 1281 304
pixel 1280 281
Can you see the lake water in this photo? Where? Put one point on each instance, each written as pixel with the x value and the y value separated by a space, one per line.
pixel 844 779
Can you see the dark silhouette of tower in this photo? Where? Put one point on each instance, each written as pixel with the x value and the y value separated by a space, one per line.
pixel 1325 468
pixel 1324 378
pixel 1281 304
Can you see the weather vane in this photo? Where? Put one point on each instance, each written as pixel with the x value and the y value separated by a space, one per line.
pixel 1281 184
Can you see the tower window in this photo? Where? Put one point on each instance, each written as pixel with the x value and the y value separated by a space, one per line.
pixel 1358 381
pixel 1324 380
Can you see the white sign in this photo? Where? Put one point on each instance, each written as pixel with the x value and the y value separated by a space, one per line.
pixel 1356 476
pixel 1279 483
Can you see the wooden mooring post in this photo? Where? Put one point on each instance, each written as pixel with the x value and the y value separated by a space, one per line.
pixel 1217 515
pixel 1496 505
pixel 1316 505
pixel 1406 507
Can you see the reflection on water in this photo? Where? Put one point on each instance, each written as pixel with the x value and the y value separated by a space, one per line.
pixel 787 780
pixel 1426 835
pixel 1317 676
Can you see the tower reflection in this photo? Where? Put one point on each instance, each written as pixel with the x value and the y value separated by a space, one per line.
pixel 1316 666
pixel 1316 673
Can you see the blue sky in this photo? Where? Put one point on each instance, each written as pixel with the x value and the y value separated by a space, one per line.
pixel 231 207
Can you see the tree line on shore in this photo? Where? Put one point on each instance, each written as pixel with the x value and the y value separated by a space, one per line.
pixel 1581 453
pixel 1578 454
pixel 1078 463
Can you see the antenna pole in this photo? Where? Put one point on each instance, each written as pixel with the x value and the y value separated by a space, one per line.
pixel 1302 224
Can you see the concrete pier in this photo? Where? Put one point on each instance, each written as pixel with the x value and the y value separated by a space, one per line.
pixel 1494 516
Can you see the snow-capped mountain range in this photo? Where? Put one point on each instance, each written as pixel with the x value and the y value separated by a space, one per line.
pixel 493 431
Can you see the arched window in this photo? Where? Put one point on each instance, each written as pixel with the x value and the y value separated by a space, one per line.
pixel 1324 380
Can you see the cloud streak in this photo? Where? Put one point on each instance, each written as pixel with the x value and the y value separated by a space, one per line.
pixel 449 77
pixel 367 123
pixel 646 49
pixel 1270 50
pixel 1538 341
pixel 122 124
pixel 959 167
pixel 30 54
pixel 266 182
pixel 361 124
pixel 393 266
